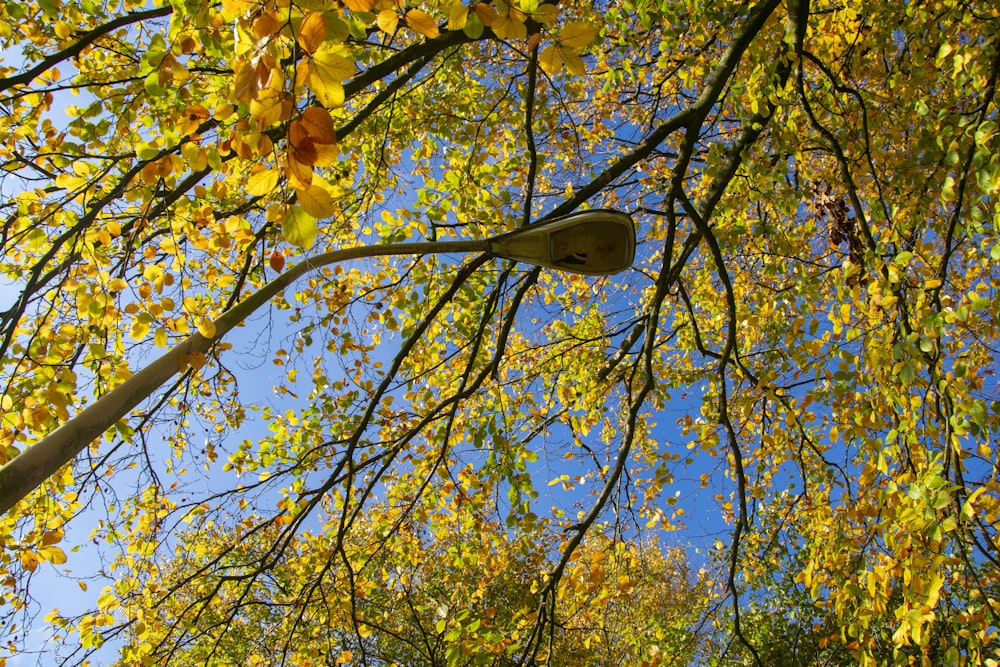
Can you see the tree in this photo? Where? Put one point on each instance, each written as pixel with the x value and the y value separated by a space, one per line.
pixel 439 591
pixel 809 327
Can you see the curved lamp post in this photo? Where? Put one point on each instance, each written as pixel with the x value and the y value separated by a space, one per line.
pixel 598 242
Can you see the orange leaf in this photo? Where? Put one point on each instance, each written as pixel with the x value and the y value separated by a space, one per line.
pixel 277 261
pixel 50 537
pixel 319 125
pixel 299 174
pixel 29 560
pixel 196 113
pixel 422 22
pixel 266 25
pixel 311 138
pixel 312 32
pixel 300 147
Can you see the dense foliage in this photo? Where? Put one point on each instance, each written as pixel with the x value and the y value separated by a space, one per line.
pixel 463 460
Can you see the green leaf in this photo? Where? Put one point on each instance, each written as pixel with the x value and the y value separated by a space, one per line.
pixel 299 228
pixel 473 29
pixel 152 84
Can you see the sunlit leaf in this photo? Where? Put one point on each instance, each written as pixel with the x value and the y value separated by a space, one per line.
pixel 546 13
pixel 387 20
pixel 206 328
pixel 577 33
pixel 52 554
pixel 327 70
pixel 422 22
pixel 458 15
pixel 550 59
pixel 312 32
pixel 573 63
pixel 299 228
pixel 485 13
pixel 262 182
pixel 509 28
pixel 316 201
pixel 271 107
pixel 266 24
pixel 359 5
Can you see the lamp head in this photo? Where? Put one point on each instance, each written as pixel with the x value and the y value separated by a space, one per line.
pixel 598 243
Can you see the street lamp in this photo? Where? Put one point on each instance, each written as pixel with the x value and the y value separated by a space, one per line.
pixel 598 242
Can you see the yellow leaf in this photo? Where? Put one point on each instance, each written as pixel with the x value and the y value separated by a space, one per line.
pixel 550 59
pixel 299 228
pixel 546 13
pixel 206 328
pixel 106 601
pixel 509 28
pixel 422 22
pixel 160 337
pixel 316 201
pixel 270 107
pixel 261 182
pixel 312 32
pixel 139 329
pixel 577 33
pixel 70 182
pixel 573 62
pixel 458 15
pixel 52 554
pixel 359 5
pixel 232 9
pixel 327 71
pixel 387 20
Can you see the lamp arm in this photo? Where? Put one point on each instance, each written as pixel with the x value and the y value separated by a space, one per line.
pixel 30 468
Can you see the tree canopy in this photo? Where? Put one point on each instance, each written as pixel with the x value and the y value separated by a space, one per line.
pixel 451 459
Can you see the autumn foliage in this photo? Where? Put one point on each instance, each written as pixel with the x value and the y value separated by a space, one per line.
pixel 772 441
